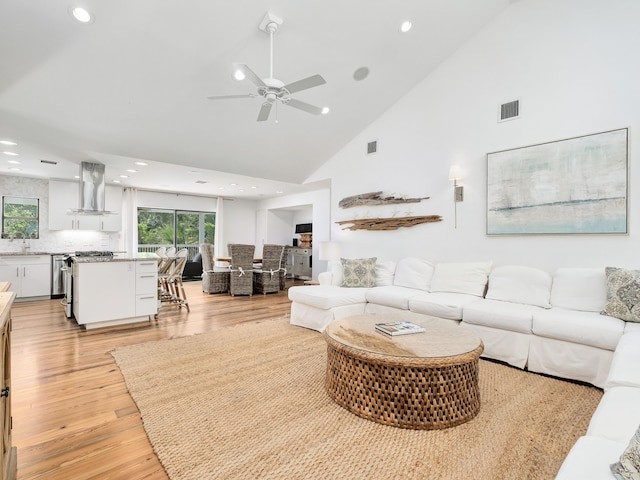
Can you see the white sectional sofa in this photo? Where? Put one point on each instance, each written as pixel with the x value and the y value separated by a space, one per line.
pixel 529 318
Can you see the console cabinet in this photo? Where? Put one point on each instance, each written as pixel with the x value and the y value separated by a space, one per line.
pixel 299 263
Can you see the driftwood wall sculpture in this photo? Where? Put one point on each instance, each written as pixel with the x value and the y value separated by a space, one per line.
pixel 392 223
pixel 375 198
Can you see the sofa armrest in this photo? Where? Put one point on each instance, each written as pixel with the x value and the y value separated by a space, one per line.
pixel 325 278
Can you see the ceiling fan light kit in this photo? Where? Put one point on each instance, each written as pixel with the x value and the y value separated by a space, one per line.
pixel 271 89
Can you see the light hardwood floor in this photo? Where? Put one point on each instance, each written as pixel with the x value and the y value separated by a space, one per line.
pixel 73 418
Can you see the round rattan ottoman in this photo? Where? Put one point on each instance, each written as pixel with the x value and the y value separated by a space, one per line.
pixel 425 380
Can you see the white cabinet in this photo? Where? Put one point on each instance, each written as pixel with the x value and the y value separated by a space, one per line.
pixel 64 198
pixel 112 222
pixel 30 275
pixel 108 293
pixel 146 287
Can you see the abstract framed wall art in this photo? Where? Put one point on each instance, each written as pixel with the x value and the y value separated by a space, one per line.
pixel 573 186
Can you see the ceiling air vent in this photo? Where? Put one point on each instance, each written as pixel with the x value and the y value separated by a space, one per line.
pixel 49 162
pixel 509 111
pixel 372 147
pixel 201 181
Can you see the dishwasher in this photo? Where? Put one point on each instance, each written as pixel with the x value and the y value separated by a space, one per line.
pixel 57 273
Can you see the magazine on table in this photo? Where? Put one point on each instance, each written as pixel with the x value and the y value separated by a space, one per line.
pixel 399 328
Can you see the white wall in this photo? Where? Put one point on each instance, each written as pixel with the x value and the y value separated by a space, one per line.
pixel 572 63
pixel 320 201
pixel 239 222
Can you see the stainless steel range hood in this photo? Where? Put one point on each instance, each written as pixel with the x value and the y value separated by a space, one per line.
pixel 92 190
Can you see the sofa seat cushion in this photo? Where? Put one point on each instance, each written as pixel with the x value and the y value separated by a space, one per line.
pixel 514 317
pixel 519 284
pixel 441 304
pixel 579 289
pixel 632 327
pixel 391 296
pixel 326 297
pixel 624 369
pixel 590 458
pixel 617 416
pixel 584 328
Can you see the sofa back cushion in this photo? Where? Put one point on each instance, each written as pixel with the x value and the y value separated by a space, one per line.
pixel 519 284
pixel 413 272
pixel 385 272
pixel 463 277
pixel 583 289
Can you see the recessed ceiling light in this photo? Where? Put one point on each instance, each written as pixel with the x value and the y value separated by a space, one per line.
pixel 406 26
pixel 81 15
pixel 220 188
pixel 116 181
pixel 8 142
pixel 13 154
pixel 76 176
pixel 325 110
pixel 279 191
pixel 142 164
pixel 124 176
pixel 233 184
pixel 15 169
pixel 15 162
pixel 253 187
pixel 131 170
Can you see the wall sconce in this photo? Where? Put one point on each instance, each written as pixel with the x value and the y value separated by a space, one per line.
pixel 458 190
pixel 455 174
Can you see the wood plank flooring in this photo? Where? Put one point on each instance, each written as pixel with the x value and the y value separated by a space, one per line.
pixel 72 415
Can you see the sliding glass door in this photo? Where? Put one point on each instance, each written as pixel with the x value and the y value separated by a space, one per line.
pixel 174 228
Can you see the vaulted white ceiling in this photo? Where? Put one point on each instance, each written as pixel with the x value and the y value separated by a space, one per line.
pixel 133 85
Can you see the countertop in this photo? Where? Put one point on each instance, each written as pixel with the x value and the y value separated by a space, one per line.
pixel 136 257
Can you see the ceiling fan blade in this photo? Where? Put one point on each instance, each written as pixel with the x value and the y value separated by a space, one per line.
pixel 240 95
pixel 292 102
pixel 250 74
pixel 309 82
pixel 265 110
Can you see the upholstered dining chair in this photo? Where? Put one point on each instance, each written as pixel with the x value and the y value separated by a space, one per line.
pixel 241 275
pixel 215 279
pixel 266 279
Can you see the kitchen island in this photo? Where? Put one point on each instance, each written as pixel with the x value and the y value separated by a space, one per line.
pixel 110 291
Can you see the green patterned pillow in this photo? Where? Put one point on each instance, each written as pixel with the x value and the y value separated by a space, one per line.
pixel 623 294
pixel 628 468
pixel 359 272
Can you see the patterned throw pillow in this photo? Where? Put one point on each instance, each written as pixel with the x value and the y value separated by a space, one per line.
pixel 628 468
pixel 360 272
pixel 623 294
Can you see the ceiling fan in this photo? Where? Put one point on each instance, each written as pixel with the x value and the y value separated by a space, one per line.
pixel 271 89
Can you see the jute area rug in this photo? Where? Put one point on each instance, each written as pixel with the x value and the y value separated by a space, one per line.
pixel 248 402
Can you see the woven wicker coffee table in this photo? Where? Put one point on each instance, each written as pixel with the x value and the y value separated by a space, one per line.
pixel 423 380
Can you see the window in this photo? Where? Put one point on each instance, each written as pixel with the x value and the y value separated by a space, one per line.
pixel 20 217
pixel 174 228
